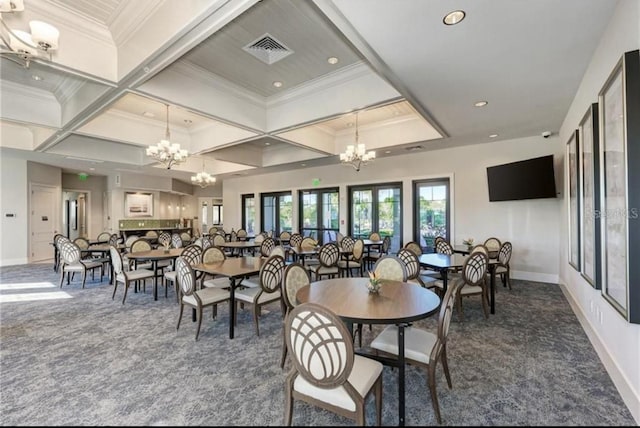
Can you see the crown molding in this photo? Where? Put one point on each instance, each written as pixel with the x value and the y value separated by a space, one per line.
pixel 344 75
pixel 210 79
pixel 67 89
pixel 10 89
pixel 130 17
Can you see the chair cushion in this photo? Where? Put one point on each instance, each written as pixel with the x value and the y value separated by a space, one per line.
pixel 418 343
pixel 501 269
pixel 470 289
pixel 251 283
pixel 208 296
pixel 171 275
pixel 134 275
pixel 220 282
pixel 250 295
pixel 91 264
pixel 363 376
pixel 324 270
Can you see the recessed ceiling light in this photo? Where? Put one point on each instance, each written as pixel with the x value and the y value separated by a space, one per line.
pixel 92 169
pixel 267 143
pixel 277 84
pixel 303 164
pixel 36 77
pixel 493 135
pixel 481 103
pixel 388 151
pixel 148 114
pixel 332 60
pixel 453 18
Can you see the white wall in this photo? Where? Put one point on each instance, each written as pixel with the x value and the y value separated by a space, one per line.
pixel 13 200
pixel 532 225
pixel 617 342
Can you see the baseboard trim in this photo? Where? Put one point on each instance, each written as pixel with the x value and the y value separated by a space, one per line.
pixel 629 396
pixel 11 262
pixel 535 276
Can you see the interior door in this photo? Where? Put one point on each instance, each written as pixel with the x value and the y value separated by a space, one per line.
pixel 43 221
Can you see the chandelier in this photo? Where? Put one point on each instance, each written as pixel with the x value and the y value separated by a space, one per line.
pixel 167 153
pixel 356 155
pixel 20 46
pixel 203 179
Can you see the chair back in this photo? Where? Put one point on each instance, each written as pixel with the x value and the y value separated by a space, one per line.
pixel 140 244
pixel 504 256
pixel 411 263
pixel 116 260
pixel 339 238
pixel 308 243
pixel 329 254
pixel 206 242
pixel 285 235
pixel 130 240
pixel 474 268
pixel 278 250
pixel 267 245
pixel 294 278
pixel 391 268
pixel 438 239
pixel 164 239
pixel 259 238
pixel 213 255
pixel 493 244
pixel 233 237
pixel 113 239
pixel 320 345
pixel 82 243
pixel 176 240
pixel 185 237
pixel 192 254
pixel 218 240
pixel 443 247
pixel 185 277
pixel 357 250
pixel 70 253
pixel 347 243
pixel 151 234
pixel 414 247
pixel 374 236
pixel 57 237
pixel 213 230
pixel 444 319
pixel 295 240
pixel 271 274
pixel 103 237
pixel 480 248
pixel 386 245
pixel 241 233
pixel 198 242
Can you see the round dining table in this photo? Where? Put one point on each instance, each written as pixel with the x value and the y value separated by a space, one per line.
pixel 154 256
pixel 397 303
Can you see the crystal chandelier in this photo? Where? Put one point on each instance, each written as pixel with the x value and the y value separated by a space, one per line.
pixel 22 47
pixel 203 179
pixel 167 153
pixel 356 155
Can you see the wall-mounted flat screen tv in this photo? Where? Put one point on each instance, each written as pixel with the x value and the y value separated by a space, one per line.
pixel 527 179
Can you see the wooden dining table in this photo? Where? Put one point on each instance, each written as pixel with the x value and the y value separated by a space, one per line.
pixel 234 268
pixel 154 256
pixel 397 303
pixel 241 246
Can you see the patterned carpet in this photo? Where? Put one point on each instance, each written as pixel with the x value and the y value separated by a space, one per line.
pixel 89 360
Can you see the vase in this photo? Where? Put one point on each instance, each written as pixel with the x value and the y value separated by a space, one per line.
pixel 373 287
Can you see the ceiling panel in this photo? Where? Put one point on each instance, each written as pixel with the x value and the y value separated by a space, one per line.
pixel 49 79
pixel 297 25
pixel 101 11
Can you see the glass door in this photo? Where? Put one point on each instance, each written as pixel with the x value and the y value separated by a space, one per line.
pixel 376 208
pixel 431 215
pixel 277 212
pixel 319 214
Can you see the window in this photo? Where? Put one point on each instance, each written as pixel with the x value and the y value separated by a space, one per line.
pixel 205 217
pixel 249 214
pixel 277 212
pixel 217 214
pixel 319 214
pixel 376 208
pixel 211 210
pixel 431 211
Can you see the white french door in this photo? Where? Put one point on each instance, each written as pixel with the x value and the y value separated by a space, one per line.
pixel 43 222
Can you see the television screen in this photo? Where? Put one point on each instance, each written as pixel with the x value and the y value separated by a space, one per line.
pixel 527 179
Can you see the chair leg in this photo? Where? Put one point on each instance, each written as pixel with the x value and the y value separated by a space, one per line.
pixel 283 357
pixel 460 313
pixel 61 277
pixel 378 393
pixel 288 404
pixel 199 322
pixel 445 365
pixel 432 389
pixel 256 315
pixel 126 288
pixel 84 277
pixel 115 287
pixel 485 305
pixel 180 315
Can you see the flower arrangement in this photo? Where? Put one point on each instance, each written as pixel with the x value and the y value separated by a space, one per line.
pixel 167 244
pixel 374 283
pixel 468 241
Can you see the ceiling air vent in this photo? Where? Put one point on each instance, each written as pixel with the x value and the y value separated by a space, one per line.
pixel 267 49
pixel 413 148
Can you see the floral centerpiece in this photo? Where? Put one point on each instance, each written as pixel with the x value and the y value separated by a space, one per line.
pixel 468 242
pixel 167 245
pixel 374 283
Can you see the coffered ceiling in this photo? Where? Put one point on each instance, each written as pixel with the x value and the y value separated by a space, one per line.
pixel 412 80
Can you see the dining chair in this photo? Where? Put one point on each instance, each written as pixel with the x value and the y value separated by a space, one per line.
pixel 373 255
pixel 493 244
pixel 412 266
pixel 241 235
pixel 443 247
pixel 503 269
pixel 326 372
pixel 474 280
pixel 295 277
pixel 186 238
pixel 103 237
pixel 164 239
pixel 374 236
pixel 197 299
pixel 266 246
pixel 126 277
pixel 328 257
pixel 71 262
pixel 151 234
pixel 424 348
pixel 58 238
pixel 82 243
pixel 355 261
pixel 279 250
pixel 295 240
pixel 192 254
pixel 176 240
pixel 270 280
pixel 213 230
pixel 139 245
pixel 214 255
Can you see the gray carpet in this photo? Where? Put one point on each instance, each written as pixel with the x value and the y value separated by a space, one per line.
pixel 89 360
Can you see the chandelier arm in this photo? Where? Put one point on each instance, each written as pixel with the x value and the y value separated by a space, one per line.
pixel 10 55
pixel 6 28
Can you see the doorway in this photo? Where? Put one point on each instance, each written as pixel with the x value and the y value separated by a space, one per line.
pixel 74 214
pixel 43 222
